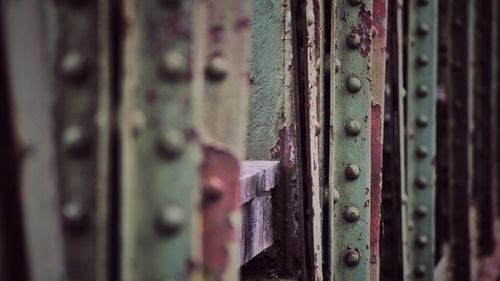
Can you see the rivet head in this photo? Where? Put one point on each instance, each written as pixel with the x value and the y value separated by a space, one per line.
pixel 352 171
pixel 421 241
pixel 337 65
pixel 353 41
pixel 353 84
pixel 74 217
pixel 74 141
pixel 353 127
pixel 351 214
pixel 355 2
pixel 421 182
pixel 336 196
pixel 422 151
pixel 170 220
pixel 217 69
pixel 420 271
pixel 422 121
pixel 423 29
pixel 351 258
pixel 74 66
pixel 422 60
pixel 421 211
pixel 422 91
pixel 174 66
pixel 171 143
pixel 212 191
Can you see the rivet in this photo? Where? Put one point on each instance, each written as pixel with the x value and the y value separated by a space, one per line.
pixel 422 60
pixel 351 214
pixel 353 84
pixel 337 65
pixel 74 66
pixel 336 196
pixel 212 191
pixel 353 41
pixel 421 241
pixel 74 217
pixel 421 182
pixel 74 141
pixel 174 66
pixel 355 2
pixel 421 211
pixel 422 29
pixel 351 258
pixel 170 220
pixel 422 151
pixel 171 143
pixel 217 69
pixel 422 91
pixel 353 127
pixel 420 271
pixel 352 171
pixel 422 121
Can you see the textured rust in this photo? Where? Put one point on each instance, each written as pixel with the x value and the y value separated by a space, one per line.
pixel 364 30
pixel 376 181
pixel 220 169
pixel 379 16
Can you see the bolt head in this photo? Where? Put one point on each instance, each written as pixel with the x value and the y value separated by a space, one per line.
pixel 351 258
pixel 421 211
pixel 171 143
pixel 422 60
pixel 422 91
pixel 351 214
pixel 74 141
pixel 170 220
pixel 355 2
pixel 217 69
pixel 353 84
pixel 212 191
pixel 352 171
pixel 353 127
pixel 422 121
pixel 420 271
pixel 74 66
pixel 174 66
pixel 74 217
pixel 422 151
pixel 353 41
pixel 421 182
pixel 421 241
pixel 422 29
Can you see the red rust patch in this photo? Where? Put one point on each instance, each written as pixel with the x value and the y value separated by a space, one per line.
pixel 379 14
pixel 364 29
pixel 219 171
pixel 376 184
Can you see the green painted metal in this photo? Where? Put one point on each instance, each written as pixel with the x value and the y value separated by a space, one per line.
pixel 351 145
pixel 78 44
pixel 160 153
pixel 421 130
pixel 459 94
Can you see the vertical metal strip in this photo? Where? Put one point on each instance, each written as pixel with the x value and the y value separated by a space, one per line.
pixel 32 101
pixel 161 154
pixel 421 130
pixel 460 103
pixel 483 130
pixel 377 130
pixel 224 111
pixel 351 145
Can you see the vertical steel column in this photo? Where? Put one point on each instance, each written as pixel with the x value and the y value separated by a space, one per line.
pixel 377 130
pixel 484 99
pixel 421 130
pixel 31 102
pixel 78 44
pixel 459 88
pixel 351 145
pixel 226 26
pixel 160 150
